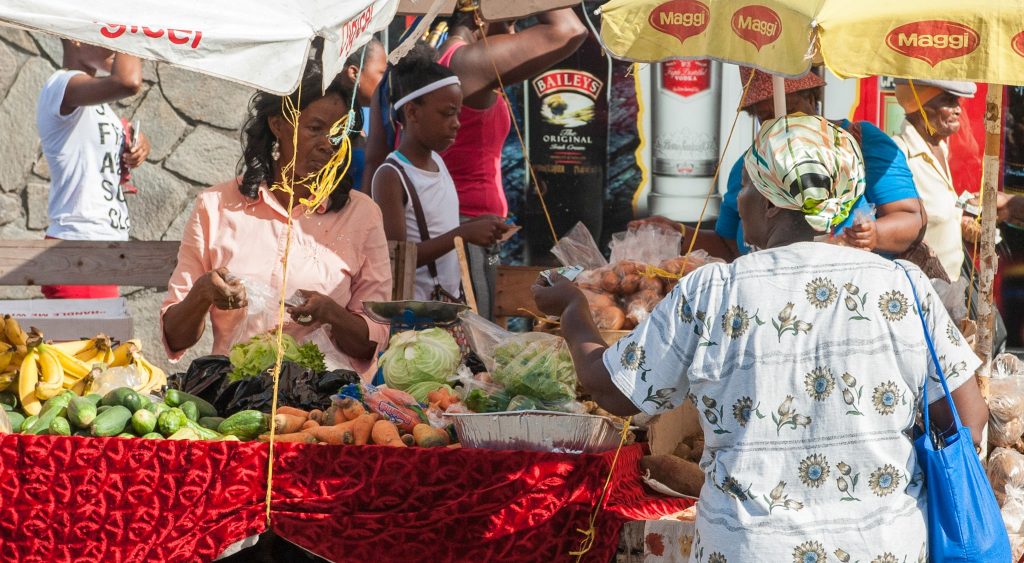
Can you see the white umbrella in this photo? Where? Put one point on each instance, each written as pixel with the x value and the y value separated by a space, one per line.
pixel 260 43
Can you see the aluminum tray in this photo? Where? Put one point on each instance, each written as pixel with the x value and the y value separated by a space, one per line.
pixel 539 431
pixel 389 311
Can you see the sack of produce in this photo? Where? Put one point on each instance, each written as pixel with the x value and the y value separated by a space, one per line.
pixel 1006 475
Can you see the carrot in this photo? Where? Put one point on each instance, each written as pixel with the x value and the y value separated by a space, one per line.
pixel 295 437
pixel 308 424
pixel 362 426
pixel 288 423
pixel 293 411
pixel 408 440
pixel 385 433
pixel 317 415
pixel 351 408
pixel 442 397
pixel 429 437
pixel 454 446
pixel 335 434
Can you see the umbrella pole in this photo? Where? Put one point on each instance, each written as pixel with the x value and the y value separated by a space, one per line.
pixel 989 261
pixel 779 95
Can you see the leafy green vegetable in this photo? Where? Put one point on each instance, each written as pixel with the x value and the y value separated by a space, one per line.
pixel 538 366
pixel 419 356
pixel 524 403
pixel 479 400
pixel 250 359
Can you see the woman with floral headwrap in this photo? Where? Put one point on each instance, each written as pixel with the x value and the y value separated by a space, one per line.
pixel 806 362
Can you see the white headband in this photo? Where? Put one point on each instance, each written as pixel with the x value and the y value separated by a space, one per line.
pixel 426 90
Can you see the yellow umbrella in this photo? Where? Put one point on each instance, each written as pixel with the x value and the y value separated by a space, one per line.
pixel 980 40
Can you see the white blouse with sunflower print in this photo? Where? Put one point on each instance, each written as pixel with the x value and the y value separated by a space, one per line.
pixel 806 363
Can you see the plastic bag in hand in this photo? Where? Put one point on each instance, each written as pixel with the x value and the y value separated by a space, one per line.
pixel 577 248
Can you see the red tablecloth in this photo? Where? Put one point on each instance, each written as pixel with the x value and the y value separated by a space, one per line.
pixel 114 499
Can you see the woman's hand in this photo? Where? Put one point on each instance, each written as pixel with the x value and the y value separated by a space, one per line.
pixel 554 298
pixel 223 291
pixel 485 230
pixel 316 308
pixel 863 235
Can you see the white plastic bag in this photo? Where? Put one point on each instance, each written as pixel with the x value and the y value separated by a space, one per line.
pixel 577 248
pixel 112 378
pixel 648 244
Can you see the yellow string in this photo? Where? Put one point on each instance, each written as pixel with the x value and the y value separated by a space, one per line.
pixel 515 125
pixel 917 100
pixel 327 179
pixel 291 113
pixel 591 531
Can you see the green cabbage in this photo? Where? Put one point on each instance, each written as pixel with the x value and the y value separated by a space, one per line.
pixel 416 356
pixel 249 359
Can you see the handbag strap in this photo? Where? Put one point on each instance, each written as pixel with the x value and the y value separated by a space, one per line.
pixel 417 209
pixel 935 360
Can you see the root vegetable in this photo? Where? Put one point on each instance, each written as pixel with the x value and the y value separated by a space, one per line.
pixel 337 434
pixel 609 318
pixel 362 427
pixel 630 284
pixel 443 398
pixel 351 409
pixel 682 476
pixel 651 284
pixel 610 281
pixel 308 424
pixel 408 440
pixel 294 438
pixel 317 415
pixel 427 436
pixel 293 411
pixel 385 433
pixel 287 423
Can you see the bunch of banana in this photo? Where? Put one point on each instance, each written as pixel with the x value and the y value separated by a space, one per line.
pixel 154 377
pixel 13 350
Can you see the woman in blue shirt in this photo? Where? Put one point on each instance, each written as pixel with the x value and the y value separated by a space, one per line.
pixel 890 185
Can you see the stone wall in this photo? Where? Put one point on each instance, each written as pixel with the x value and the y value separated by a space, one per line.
pixel 192 122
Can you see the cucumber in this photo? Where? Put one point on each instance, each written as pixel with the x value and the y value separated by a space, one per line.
pixel 29 421
pixel 8 398
pixel 153 436
pixel 94 398
pixel 211 422
pixel 185 433
pixel 80 432
pixel 143 422
pixel 81 412
pixel 57 406
pixel 6 407
pixel 156 408
pixel 170 421
pixel 111 422
pixel 204 433
pixel 176 398
pixel 247 424
pixel 134 402
pixel 60 427
pixel 118 396
pixel 101 410
pixel 17 421
pixel 190 409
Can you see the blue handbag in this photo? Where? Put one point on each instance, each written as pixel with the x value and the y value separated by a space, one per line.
pixel 964 522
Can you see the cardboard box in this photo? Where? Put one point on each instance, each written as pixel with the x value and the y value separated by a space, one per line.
pixel 72 319
pixel 490 10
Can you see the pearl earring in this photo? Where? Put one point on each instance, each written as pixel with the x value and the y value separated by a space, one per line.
pixel 275 151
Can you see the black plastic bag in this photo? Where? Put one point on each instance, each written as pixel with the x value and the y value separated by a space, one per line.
pixel 207 378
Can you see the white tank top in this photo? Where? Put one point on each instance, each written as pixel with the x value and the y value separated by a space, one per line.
pixel 440 201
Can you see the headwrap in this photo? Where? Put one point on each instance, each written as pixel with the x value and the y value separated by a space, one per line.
pixel 807 163
pixel 760 85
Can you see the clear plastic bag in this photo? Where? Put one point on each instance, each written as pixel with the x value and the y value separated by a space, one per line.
pixel 1006 411
pixel 648 244
pixel 953 297
pixel 577 248
pixel 1006 475
pixel 5 423
pixel 260 313
pixel 1007 365
pixel 124 376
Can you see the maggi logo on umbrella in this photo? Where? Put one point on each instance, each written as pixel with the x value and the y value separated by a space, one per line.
pixel 1018 43
pixel 681 19
pixel 757 25
pixel 933 41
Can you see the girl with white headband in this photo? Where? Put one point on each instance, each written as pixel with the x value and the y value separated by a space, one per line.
pixel 413 187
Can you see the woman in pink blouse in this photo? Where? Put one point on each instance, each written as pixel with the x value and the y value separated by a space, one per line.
pixel 237 231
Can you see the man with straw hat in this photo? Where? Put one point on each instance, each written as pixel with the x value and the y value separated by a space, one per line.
pixel 889 183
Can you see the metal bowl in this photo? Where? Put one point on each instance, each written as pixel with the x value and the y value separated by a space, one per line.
pixel 413 311
pixel 539 431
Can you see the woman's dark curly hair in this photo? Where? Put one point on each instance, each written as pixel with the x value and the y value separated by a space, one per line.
pixel 257 166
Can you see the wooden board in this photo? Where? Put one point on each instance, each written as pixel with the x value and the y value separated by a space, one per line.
pixel 56 262
pixel 513 292
pixel 403 270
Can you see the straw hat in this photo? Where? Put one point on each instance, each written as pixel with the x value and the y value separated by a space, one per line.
pixel 760 88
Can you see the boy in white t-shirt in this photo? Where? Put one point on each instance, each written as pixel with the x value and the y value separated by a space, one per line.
pixel 84 143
